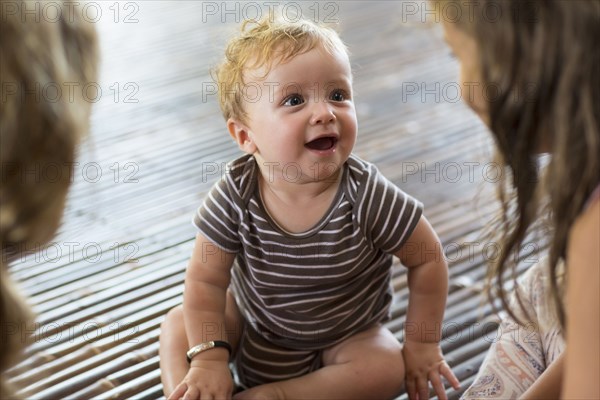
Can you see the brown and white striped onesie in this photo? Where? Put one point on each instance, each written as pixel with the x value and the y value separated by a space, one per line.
pixel 302 293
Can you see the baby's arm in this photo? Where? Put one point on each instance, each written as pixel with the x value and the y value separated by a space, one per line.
pixel 422 254
pixel 206 281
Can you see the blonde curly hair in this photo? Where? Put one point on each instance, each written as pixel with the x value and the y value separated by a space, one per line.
pixel 270 41
pixel 35 133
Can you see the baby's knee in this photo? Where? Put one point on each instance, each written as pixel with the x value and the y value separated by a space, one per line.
pixel 376 361
pixel 385 372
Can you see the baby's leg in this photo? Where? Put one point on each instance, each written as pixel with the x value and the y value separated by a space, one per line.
pixel 368 365
pixel 174 343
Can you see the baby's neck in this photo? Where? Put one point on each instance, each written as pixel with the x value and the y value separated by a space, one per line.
pixel 297 207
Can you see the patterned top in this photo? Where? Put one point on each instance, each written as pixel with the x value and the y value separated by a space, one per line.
pixel 520 354
pixel 313 289
pixel 523 353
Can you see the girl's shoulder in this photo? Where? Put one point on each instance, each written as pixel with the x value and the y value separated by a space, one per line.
pixel 593 199
pixel 583 305
pixel 585 232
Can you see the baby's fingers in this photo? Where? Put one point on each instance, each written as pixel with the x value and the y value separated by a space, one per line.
pixel 423 388
pixel 178 392
pixel 206 396
pixel 411 389
pixel 192 394
pixel 438 386
pixel 449 375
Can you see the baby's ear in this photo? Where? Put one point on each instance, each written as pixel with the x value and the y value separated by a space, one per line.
pixel 240 133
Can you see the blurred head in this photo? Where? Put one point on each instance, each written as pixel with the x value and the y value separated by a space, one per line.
pixel 36 134
pixel 536 63
pixel 261 45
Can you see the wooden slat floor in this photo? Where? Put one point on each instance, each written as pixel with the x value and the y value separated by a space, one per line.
pixel 158 143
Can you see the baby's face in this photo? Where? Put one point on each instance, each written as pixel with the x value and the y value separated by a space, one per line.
pixel 303 123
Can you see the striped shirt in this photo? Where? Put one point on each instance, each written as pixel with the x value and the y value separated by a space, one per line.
pixel 317 288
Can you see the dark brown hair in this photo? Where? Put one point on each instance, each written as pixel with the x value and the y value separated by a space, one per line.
pixel 36 133
pixel 543 58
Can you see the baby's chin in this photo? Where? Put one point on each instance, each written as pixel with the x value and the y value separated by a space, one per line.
pixel 326 171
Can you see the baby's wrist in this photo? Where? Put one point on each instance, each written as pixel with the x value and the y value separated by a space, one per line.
pixel 211 350
pixel 217 357
pixel 419 342
pixel 423 332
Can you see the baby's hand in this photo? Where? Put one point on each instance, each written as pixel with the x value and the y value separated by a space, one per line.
pixel 425 362
pixel 205 380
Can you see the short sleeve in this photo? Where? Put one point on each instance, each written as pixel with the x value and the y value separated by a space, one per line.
pixel 218 218
pixel 387 214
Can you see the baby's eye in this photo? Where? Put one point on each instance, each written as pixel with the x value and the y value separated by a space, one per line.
pixel 294 100
pixel 338 95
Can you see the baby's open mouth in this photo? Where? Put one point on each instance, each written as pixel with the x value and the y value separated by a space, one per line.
pixel 322 143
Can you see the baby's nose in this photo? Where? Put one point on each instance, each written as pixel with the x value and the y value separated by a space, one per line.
pixel 322 113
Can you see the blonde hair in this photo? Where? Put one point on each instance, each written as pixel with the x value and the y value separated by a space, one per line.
pixel 36 132
pixel 270 41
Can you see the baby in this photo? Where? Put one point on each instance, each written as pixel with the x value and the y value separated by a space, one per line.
pixel 290 274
